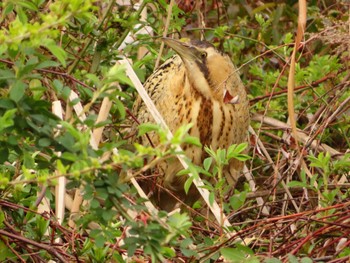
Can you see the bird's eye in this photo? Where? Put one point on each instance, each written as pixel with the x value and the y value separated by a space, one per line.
pixel 204 54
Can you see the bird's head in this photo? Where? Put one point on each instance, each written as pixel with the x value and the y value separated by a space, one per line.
pixel 210 71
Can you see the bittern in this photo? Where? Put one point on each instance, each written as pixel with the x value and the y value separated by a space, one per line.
pixel 199 85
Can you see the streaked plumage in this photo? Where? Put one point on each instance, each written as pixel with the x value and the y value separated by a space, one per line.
pixel 199 85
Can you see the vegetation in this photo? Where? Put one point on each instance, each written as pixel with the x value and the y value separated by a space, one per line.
pixel 64 114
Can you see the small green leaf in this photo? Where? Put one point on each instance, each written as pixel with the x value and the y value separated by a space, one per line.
pixel 57 51
pixel 8 8
pixel 22 15
pixel 188 252
pixel 168 252
pixel 47 64
pixel 6 74
pixel 121 108
pixel 3 182
pixel 183 172
pixel 306 260
pixel 100 241
pixel 237 200
pixel 272 260
pixel 17 91
pixel 2 218
pixel 69 156
pixel 65 93
pixel 239 254
pixel 232 254
pixel 211 198
pixel 7 119
pixel 292 259
pixel 27 4
pixel 6 104
pixel 93 78
pixel 60 167
pixel 296 184
pixel 3 48
pixel 188 184
pixel 207 163
pixel 28 160
pixel 147 127
pixel 42 225
pixel 44 142
pixel 117 73
pixel 192 140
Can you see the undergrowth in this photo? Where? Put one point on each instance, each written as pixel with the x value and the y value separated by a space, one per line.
pixel 297 209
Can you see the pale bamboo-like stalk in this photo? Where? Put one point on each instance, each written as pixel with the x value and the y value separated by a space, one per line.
pixel 60 188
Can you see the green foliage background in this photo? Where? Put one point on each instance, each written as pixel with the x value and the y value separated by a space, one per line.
pixel 50 48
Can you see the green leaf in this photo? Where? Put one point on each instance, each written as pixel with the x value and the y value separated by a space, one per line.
pixel 47 64
pixel 292 259
pixel 69 156
pixel 239 254
pixel 117 73
pixel 3 182
pixel 27 68
pixel 8 8
pixel 65 93
pixel 17 91
pixel 6 253
pixel 121 108
pixel 188 183
pixel 28 5
pixel 22 16
pixel 180 222
pixel 7 75
pixel 3 48
pixel 188 252
pixel 272 260
pixel 42 224
pixel 2 218
pixel 168 252
pixel 95 80
pixel 211 198
pixel 4 155
pixel 147 127
pixel 44 142
pixel 237 200
pixel 232 254
pixel 207 163
pixel 60 167
pixel 306 260
pixel 6 104
pixel 100 241
pixel 297 184
pixel 192 140
pixel 37 89
pixel 108 215
pixel 28 160
pixel 7 119
pixel 234 150
pixel 57 51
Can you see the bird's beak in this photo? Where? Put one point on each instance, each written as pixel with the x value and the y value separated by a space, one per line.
pixel 185 50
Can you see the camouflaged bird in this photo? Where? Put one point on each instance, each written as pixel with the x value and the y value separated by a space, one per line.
pixel 199 85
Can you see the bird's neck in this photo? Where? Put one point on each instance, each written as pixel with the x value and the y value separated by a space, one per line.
pixel 199 84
